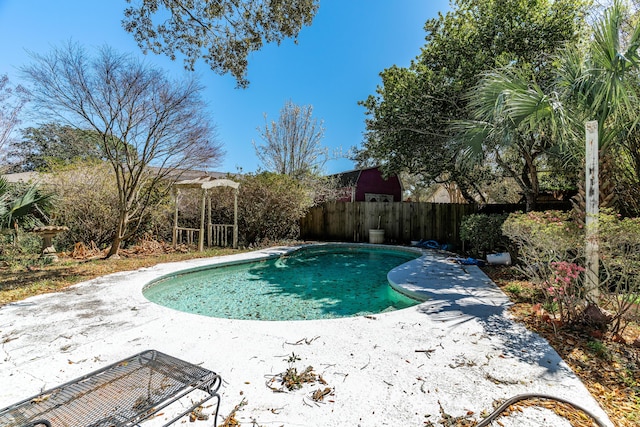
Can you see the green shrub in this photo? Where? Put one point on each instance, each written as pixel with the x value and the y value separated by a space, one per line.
pixel 549 253
pixel 157 218
pixel 270 207
pixel 619 251
pixel 542 238
pixel 19 243
pixel 483 232
pixel 21 249
pixel 87 203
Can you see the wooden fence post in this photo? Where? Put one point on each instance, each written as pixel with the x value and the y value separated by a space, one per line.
pixel 592 190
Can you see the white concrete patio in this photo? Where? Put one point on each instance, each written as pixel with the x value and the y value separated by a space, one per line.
pixel 459 351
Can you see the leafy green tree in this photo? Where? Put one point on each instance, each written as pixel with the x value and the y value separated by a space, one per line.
pixel 151 128
pixel 52 144
pixel 405 134
pixel 221 32
pixel 598 80
pixel 292 145
pixel 409 124
pixel 594 80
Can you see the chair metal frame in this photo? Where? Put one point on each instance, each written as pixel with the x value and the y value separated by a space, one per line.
pixel 122 394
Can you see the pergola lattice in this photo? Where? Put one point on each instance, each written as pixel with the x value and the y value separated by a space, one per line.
pixel 217 234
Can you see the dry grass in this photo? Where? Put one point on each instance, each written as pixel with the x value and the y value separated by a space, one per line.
pixel 25 277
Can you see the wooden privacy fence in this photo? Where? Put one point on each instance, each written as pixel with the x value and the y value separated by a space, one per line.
pixel 402 221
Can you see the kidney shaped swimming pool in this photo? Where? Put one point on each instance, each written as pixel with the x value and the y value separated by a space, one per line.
pixel 314 282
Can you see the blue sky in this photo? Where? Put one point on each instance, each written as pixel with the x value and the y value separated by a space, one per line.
pixel 335 64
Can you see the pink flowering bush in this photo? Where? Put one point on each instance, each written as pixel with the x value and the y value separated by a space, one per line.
pixel 564 289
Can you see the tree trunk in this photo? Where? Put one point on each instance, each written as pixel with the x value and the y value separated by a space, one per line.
pixel 466 195
pixel 532 181
pixel 113 250
pixel 531 200
pixel 118 235
pixel 524 180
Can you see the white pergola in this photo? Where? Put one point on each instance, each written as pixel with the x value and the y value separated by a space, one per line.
pixel 216 233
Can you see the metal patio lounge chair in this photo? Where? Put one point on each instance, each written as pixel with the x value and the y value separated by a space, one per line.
pixel 124 393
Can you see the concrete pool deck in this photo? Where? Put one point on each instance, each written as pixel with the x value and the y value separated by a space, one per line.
pixel 458 352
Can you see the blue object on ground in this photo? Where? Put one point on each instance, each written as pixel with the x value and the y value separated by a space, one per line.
pixel 429 244
pixel 471 261
pixel 467 261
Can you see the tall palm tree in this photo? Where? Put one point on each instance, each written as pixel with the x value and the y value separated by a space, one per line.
pixel 596 80
pixel 514 124
pixel 600 81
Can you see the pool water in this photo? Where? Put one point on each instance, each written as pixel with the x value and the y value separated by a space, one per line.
pixel 310 283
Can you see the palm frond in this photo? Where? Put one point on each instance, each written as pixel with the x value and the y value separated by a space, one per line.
pixel 472 136
pixel 23 209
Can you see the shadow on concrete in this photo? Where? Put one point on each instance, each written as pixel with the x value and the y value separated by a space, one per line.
pixel 456 294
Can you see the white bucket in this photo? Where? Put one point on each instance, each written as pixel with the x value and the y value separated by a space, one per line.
pixel 502 258
pixel 376 236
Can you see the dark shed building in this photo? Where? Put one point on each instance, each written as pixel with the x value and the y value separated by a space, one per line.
pixel 368 185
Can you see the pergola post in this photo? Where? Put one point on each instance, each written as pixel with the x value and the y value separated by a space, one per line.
pixel 209 223
pixel 235 219
pixel 175 218
pixel 206 184
pixel 201 238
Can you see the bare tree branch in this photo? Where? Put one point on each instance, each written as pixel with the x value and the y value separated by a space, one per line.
pixel 12 100
pixel 150 128
pixel 292 144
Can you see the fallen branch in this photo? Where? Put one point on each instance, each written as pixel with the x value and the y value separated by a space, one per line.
pixel 230 420
pixel 303 341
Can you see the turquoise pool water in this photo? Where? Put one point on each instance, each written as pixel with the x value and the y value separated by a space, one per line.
pixel 311 283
